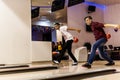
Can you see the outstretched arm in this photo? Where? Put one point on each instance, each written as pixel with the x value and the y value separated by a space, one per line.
pixel 73 29
pixel 112 26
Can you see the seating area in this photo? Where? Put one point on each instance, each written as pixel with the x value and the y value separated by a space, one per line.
pixel 113 51
pixel 82 53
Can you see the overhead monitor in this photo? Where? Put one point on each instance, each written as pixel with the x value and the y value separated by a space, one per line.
pixel 57 5
pixel 74 2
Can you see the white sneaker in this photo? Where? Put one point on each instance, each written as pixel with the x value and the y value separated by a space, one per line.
pixel 75 63
pixel 55 61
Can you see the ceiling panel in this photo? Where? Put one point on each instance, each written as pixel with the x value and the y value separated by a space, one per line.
pixel 42 2
pixel 49 2
pixel 45 10
pixel 62 14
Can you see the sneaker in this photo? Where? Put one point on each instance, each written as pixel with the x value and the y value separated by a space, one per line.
pixel 75 63
pixel 110 64
pixel 56 62
pixel 87 65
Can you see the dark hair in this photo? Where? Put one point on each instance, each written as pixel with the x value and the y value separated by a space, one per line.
pixel 87 17
pixel 57 24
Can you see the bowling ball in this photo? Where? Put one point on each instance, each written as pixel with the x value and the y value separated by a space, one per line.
pixel 108 35
pixel 75 40
pixel 55 53
pixel 115 29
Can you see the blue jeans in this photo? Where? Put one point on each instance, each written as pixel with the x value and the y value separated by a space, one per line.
pixel 99 44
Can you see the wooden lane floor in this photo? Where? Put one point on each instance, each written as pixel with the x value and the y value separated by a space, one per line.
pixel 64 72
pixel 25 68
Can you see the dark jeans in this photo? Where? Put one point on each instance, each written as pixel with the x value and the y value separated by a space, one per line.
pixel 67 46
pixel 99 44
